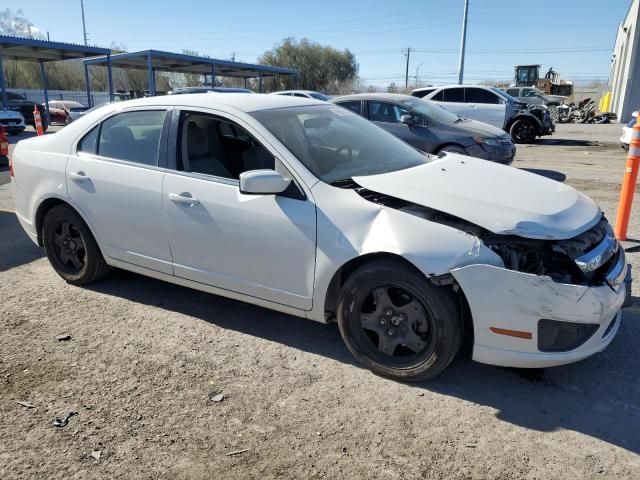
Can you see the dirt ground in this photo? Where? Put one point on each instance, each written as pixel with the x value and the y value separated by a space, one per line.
pixel 145 358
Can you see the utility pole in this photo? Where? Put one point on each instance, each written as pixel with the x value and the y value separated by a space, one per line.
pixel 84 27
pixel 417 71
pixel 48 39
pixel 406 74
pixel 463 43
pixel 233 56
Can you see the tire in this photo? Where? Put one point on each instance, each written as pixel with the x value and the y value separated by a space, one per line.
pixel 410 334
pixel 71 248
pixel 452 149
pixel 524 130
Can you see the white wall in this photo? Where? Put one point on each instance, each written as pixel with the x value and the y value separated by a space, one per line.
pixel 625 67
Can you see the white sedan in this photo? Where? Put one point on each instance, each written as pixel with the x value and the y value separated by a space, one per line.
pixel 307 208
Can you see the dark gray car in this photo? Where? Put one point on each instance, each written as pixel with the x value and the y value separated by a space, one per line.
pixel 429 127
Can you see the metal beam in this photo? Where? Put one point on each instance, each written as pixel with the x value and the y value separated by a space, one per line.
pixel 152 74
pixel 87 83
pixel 110 78
pixel 2 85
pixel 260 82
pixel 43 73
pixel 213 75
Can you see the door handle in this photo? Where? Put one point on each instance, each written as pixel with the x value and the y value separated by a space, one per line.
pixel 183 198
pixel 472 106
pixel 79 176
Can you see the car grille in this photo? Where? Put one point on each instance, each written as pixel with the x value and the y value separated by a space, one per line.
pixel 10 122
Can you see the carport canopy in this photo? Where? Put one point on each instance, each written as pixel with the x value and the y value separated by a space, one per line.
pixel 159 61
pixel 42 51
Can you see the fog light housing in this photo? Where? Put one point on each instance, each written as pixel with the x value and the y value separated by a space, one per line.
pixel 555 336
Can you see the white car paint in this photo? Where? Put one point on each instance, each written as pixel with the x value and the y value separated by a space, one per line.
pixel 283 254
pixel 451 184
pixel 12 121
pixel 493 114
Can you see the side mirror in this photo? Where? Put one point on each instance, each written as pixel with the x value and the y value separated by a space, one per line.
pixel 407 119
pixel 262 182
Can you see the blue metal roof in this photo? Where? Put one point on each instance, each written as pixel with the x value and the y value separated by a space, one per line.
pixel 183 63
pixel 31 49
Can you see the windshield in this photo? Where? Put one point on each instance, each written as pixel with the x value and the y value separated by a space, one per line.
pixel 319 96
pixel 431 111
pixel 336 144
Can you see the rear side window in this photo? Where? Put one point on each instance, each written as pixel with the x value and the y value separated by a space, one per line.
pixel 422 93
pixel 89 143
pixel 453 95
pixel 355 107
pixel 132 136
pixel 480 95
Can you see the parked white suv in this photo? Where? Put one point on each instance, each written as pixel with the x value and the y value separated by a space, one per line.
pixel 493 106
pixel 307 208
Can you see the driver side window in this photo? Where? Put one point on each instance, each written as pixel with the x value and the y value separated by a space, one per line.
pixel 214 146
pixel 386 112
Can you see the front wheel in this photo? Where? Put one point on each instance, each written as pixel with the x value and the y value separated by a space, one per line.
pixel 71 248
pixel 397 323
pixel 524 130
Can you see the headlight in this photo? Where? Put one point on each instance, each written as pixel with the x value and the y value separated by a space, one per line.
pixel 493 142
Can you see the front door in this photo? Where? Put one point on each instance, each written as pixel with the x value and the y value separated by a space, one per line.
pixel 259 245
pixel 485 106
pixel 387 116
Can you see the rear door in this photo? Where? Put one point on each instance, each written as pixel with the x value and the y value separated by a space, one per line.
pixel 114 178
pixel 485 106
pixel 452 99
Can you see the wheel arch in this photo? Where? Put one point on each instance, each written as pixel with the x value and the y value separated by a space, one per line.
pixel 342 274
pixel 46 205
pixel 521 116
pixel 439 148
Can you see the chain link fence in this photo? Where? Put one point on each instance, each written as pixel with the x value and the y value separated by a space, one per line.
pixel 97 98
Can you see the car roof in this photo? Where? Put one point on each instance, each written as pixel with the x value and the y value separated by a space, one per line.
pixel 296 91
pixel 486 87
pixel 390 97
pixel 240 101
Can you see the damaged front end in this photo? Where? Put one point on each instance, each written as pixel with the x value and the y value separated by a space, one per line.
pixel 587 259
pixel 554 301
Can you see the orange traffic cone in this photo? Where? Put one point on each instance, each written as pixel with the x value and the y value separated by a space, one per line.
pixel 37 120
pixel 628 183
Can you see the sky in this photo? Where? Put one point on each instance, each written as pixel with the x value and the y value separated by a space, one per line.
pixel 575 37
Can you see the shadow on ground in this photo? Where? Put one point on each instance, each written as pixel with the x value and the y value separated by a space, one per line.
pixel 552 174
pixel 15 246
pixel 569 142
pixel 599 397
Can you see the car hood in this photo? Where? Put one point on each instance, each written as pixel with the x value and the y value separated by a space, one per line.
pixel 11 114
pixel 501 199
pixel 475 128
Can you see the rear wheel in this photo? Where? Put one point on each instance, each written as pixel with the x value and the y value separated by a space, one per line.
pixel 71 248
pixel 524 130
pixel 398 324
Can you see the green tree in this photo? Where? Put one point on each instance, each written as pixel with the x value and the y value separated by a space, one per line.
pixel 321 67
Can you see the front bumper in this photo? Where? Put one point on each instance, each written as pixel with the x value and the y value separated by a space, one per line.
pixel 505 153
pixel 508 300
pixel 13 127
